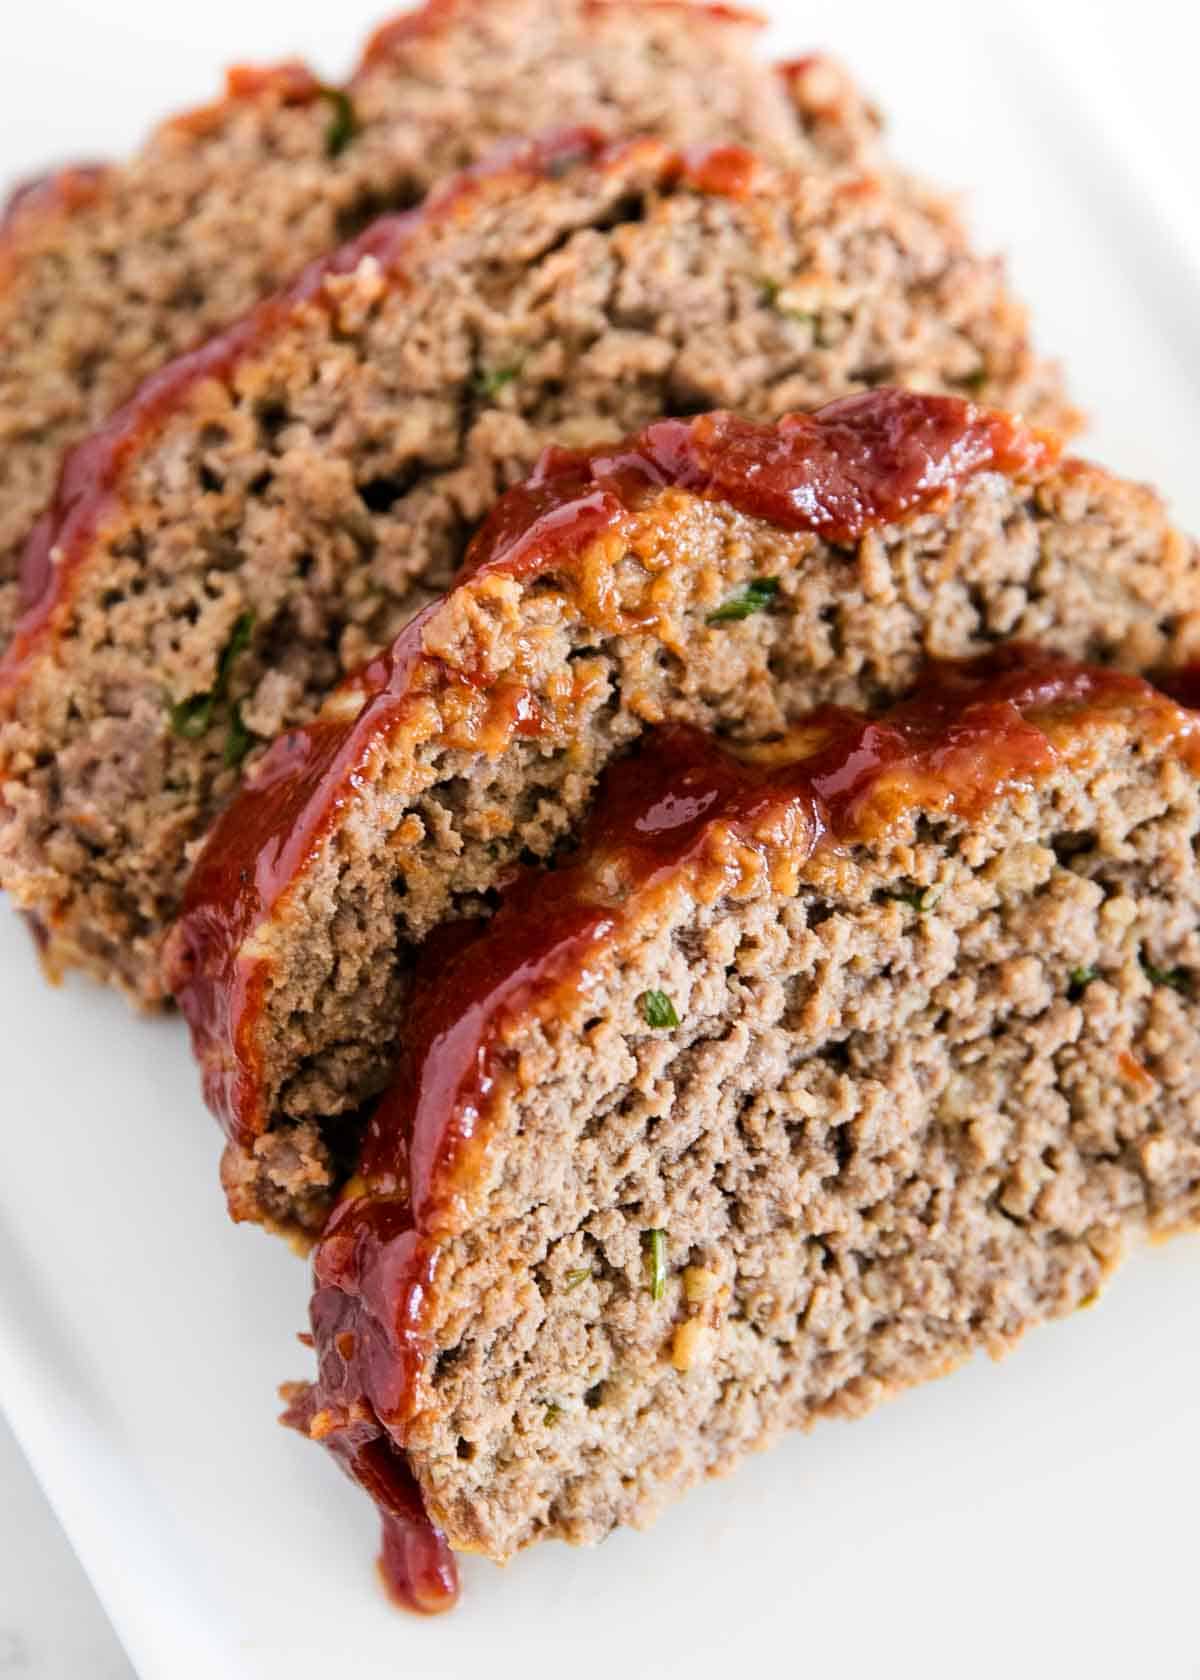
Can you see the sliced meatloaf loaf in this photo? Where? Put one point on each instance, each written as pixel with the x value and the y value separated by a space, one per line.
pixel 98 288
pixel 266 512
pixel 817 1067
pixel 712 572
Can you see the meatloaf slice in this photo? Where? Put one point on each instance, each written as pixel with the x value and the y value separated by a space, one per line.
pixel 224 204
pixel 818 1067
pixel 712 572
pixel 266 513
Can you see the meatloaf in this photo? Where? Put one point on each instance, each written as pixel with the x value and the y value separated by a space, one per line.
pixel 266 512
pixel 819 1066
pixel 714 572
pixel 104 276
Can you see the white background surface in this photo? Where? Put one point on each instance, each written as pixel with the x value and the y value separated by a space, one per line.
pixel 1037 1518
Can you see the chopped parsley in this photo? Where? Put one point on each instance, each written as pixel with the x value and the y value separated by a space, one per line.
pixel 343 123
pixel 239 740
pixel 191 718
pixel 772 290
pixel 655 1243
pixel 658 1010
pixel 758 593
pixel 572 1280
pixel 491 384
pixel 975 382
pixel 921 899
pixel 239 641
pixel 1081 978
pixel 553 1413
pixel 1178 979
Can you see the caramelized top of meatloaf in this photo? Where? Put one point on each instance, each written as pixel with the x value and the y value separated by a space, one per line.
pixel 712 572
pixel 815 1067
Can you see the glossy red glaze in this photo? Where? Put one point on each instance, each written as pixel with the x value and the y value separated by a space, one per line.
pixel 72 187
pixel 415 1563
pixel 723 171
pixel 969 732
pixel 406 26
pixel 93 469
pixel 856 464
pixel 282 816
pixel 1182 685
pixel 292 81
pixel 796 69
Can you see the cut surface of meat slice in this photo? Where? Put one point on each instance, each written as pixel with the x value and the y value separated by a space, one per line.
pixel 817 1067
pixel 265 513
pixel 711 572
pixel 107 272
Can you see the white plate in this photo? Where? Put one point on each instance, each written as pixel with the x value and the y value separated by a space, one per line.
pixel 1038 1516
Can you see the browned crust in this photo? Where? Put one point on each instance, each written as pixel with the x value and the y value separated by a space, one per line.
pixel 424 1180
pixel 971 733
pixel 290 805
pixel 92 473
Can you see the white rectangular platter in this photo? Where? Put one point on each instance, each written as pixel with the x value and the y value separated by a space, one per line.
pixel 1034 1518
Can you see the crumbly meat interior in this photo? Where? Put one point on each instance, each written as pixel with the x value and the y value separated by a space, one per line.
pixel 881 1138
pixel 1081 564
pixel 284 523
pixel 221 207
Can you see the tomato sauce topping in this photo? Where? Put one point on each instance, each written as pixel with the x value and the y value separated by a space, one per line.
pixel 857 464
pixel 970 731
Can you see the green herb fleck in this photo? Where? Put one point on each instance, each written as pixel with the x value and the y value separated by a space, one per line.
pixel 191 717
pixel 1080 979
pixel 343 124
pixel 239 641
pixel 756 595
pixel 772 291
pixel 573 1279
pixel 658 1010
pixel 975 382
pixel 656 1262
pixel 921 899
pixel 553 1412
pixel 239 740
pixel 491 384
pixel 1178 979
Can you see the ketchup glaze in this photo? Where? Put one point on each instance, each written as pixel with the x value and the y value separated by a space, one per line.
pixel 72 187
pixel 859 463
pixel 91 473
pixel 662 819
pixel 415 1563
